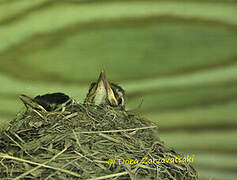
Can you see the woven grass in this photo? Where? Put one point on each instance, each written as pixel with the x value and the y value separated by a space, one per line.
pixel 86 142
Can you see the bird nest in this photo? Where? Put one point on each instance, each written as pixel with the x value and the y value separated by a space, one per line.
pixel 86 142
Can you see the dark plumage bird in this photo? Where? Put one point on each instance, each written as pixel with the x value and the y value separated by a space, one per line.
pixel 103 92
pixel 47 102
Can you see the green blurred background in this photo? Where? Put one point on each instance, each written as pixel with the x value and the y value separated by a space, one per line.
pixel 177 61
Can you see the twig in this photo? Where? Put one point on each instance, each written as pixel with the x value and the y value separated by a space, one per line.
pixel 17 144
pixel 2 155
pixel 14 141
pixel 110 138
pixel 37 167
pixel 18 137
pixel 78 142
pixel 70 116
pixel 109 176
pixel 83 156
pixel 116 130
pixel 62 167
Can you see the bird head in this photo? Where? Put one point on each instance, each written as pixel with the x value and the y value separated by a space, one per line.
pixel 29 102
pixel 103 92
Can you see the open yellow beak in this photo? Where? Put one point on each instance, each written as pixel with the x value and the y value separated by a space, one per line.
pixel 103 87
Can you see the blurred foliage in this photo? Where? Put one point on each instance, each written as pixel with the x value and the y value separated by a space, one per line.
pixel 175 59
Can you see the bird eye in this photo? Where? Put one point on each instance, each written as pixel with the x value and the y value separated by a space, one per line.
pixel 120 100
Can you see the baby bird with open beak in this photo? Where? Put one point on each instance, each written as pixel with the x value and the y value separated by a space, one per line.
pixel 103 92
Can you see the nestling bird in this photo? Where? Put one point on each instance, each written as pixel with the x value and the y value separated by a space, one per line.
pixel 47 102
pixel 103 92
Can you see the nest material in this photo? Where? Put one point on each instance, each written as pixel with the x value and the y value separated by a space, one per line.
pixel 79 142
